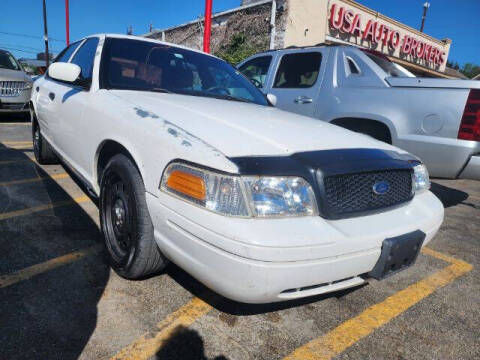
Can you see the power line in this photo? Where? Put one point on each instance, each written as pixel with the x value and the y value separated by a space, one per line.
pixel 25 51
pixel 30 36
pixel 5 45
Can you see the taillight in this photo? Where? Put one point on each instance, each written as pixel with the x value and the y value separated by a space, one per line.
pixel 470 125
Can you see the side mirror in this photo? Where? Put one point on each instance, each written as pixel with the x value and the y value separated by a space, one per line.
pixel 64 72
pixel 272 98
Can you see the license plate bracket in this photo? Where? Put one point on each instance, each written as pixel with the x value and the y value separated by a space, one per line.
pixel 398 253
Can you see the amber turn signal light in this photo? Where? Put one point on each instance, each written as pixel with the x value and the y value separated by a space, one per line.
pixel 187 184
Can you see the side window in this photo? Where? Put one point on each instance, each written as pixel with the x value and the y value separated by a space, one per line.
pixel 352 66
pixel 257 69
pixel 298 70
pixel 85 56
pixel 64 56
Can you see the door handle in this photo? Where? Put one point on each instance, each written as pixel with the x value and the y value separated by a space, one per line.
pixel 51 96
pixel 303 100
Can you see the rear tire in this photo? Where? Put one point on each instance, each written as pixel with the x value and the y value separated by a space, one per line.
pixel 126 223
pixel 42 150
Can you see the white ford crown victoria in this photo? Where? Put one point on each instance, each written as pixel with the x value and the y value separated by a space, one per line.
pixel 191 163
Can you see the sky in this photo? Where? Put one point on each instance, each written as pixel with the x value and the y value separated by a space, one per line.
pixel 456 19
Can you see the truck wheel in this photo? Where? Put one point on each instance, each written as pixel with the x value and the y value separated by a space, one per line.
pixel 41 148
pixel 125 221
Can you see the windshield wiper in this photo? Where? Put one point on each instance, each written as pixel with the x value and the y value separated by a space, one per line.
pixel 225 97
pixel 234 98
pixel 212 95
pixel 160 90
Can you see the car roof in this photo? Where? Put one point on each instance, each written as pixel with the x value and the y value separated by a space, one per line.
pixel 133 37
pixel 317 46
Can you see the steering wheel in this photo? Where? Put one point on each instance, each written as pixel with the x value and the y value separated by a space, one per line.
pixel 257 83
pixel 219 90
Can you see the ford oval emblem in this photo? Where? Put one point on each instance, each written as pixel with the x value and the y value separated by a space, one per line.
pixel 381 187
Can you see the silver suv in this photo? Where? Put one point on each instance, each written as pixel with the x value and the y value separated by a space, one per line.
pixel 15 85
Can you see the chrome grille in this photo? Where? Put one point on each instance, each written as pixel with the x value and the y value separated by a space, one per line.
pixel 11 88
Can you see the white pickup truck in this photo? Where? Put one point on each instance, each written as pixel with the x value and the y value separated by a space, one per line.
pixel 437 120
pixel 192 164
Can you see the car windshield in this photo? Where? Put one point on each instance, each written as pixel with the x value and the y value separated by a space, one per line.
pixel 7 61
pixel 148 66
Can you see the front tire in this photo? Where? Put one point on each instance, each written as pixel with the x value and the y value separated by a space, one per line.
pixel 126 223
pixel 42 150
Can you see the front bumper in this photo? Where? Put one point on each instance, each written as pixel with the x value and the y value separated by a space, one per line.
pixel 14 108
pixel 259 261
pixel 14 104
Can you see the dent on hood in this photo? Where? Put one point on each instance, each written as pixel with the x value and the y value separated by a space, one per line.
pixel 185 138
pixel 145 114
pixel 188 139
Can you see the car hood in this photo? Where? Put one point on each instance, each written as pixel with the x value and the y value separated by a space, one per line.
pixel 242 129
pixel 13 75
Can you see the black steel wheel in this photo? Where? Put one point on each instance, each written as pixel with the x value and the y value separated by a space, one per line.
pixel 126 223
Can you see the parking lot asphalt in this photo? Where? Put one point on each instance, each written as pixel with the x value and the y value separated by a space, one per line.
pixel 60 300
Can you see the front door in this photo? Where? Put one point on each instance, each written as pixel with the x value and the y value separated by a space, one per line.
pixel 297 81
pixel 45 90
pixel 71 100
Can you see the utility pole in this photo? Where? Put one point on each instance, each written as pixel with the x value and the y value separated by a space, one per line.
pixel 273 14
pixel 426 5
pixel 67 22
pixel 208 26
pixel 45 33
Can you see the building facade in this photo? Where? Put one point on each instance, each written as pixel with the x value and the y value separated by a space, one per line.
pixel 276 24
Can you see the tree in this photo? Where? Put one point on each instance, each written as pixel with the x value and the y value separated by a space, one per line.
pixel 237 50
pixel 470 70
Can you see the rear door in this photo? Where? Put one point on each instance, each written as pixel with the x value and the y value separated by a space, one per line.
pixel 297 80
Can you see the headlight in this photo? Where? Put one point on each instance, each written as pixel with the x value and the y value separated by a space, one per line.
pixel 242 196
pixel 420 178
pixel 280 196
pixel 27 86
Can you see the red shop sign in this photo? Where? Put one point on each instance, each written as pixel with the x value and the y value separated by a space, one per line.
pixel 347 21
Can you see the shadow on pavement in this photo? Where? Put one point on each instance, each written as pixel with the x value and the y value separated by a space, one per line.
pixel 51 315
pixel 184 344
pixel 447 195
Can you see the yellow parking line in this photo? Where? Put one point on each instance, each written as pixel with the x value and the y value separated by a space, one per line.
pixel 351 331
pixel 8 162
pixel 14 143
pixel 27 211
pixel 25 148
pixel 146 346
pixel 34 270
pixel 16 123
pixel 37 179
pixel 440 256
